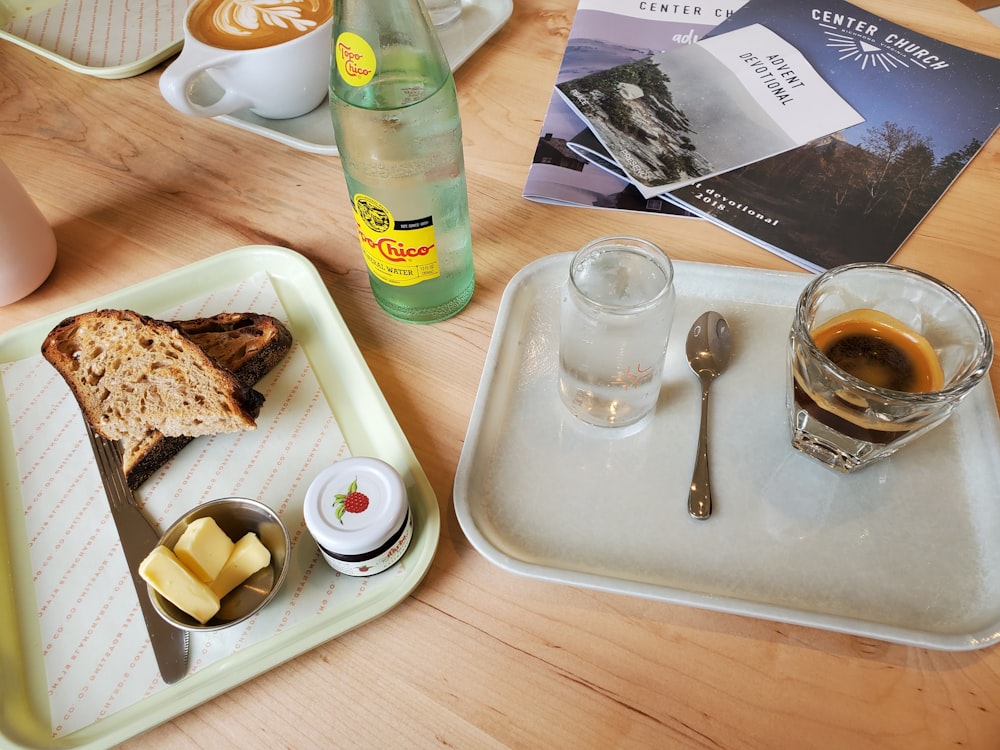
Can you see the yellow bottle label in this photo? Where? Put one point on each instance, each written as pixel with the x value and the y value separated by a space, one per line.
pixel 401 253
pixel 355 59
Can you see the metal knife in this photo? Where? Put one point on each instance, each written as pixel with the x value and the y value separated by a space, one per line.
pixel 138 537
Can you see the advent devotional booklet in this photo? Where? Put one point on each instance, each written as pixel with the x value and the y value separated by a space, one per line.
pixel 707 108
pixel 607 33
pixel 858 194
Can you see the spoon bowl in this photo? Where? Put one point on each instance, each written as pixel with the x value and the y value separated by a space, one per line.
pixel 709 347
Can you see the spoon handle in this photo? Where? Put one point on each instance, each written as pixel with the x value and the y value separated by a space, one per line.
pixel 700 497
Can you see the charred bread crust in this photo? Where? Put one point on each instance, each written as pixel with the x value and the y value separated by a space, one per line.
pixel 159 450
pixel 273 340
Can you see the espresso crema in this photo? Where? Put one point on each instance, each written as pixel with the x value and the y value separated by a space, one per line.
pixel 880 350
pixel 249 24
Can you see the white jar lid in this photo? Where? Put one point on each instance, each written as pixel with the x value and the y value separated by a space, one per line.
pixel 347 525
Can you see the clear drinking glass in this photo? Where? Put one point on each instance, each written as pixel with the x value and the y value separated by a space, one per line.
pixel 443 12
pixel 616 311
pixel 890 325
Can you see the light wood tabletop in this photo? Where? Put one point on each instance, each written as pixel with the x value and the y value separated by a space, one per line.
pixel 478 657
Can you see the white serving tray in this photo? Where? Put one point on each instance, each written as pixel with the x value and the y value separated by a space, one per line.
pixel 313 132
pixel 906 551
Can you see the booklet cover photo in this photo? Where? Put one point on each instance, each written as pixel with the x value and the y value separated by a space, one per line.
pixel 707 108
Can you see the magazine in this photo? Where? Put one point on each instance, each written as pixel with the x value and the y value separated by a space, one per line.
pixel 703 109
pixel 858 195
pixel 607 33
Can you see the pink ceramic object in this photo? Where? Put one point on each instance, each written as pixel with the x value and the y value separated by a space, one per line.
pixel 27 244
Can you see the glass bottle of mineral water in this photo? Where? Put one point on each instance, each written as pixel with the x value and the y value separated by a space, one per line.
pixel 395 115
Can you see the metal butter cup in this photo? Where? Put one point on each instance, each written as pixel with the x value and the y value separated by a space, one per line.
pixel 236 516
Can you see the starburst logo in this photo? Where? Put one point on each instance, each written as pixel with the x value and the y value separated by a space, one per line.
pixel 855 40
pixel 868 54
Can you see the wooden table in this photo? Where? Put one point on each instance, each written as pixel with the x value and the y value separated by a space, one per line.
pixel 478 657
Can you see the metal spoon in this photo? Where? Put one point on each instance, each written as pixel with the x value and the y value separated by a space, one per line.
pixel 709 345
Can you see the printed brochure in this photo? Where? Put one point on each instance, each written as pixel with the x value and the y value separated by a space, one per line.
pixel 858 194
pixel 607 33
pixel 699 110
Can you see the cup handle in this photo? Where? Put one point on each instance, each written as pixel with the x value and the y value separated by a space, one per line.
pixel 177 83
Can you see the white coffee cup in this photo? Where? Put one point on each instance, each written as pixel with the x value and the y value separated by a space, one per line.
pixel 270 58
pixel 27 243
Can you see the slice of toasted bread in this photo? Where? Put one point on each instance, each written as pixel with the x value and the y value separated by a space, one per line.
pixel 247 344
pixel 131 374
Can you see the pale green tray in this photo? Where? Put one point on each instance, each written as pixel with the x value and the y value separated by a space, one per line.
pixel 367 424
pixel 126 39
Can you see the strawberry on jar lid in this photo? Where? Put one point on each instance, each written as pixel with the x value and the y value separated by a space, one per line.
pixel 358 513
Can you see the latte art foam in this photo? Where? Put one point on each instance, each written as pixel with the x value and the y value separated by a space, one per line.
pixel 249 24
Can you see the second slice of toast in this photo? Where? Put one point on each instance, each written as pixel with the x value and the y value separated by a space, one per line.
pixel 247 344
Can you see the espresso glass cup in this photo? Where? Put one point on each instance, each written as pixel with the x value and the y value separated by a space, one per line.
pixel 617 309
pixel 239 56
pixel 878 356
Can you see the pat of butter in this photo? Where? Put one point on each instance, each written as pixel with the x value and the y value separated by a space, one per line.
pixel 167 574
pixel 248 556
pixel 204 548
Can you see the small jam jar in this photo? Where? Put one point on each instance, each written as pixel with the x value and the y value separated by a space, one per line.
pixel 358 513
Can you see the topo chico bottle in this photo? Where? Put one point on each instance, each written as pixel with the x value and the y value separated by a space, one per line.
pixel 395 115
